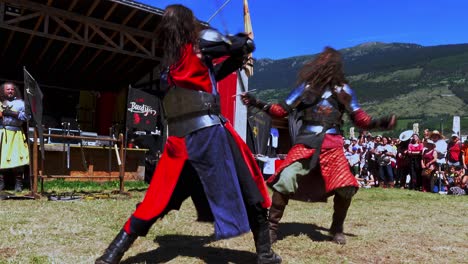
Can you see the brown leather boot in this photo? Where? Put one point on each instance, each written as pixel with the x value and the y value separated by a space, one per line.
pixel 279 202
pixel 340 207
pixel 117 248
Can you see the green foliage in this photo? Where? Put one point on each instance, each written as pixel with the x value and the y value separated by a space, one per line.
pixel 425 84
pixel 60 185
pixel 39 260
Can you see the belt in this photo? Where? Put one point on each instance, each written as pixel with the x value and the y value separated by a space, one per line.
pixel 180 127
pixel 12 128
pixel 319 129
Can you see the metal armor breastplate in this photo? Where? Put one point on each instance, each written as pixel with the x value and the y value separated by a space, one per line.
pixel 327 114
pixel 188 110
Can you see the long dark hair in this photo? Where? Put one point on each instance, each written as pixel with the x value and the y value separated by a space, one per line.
pixel 325 70
pixel 178 27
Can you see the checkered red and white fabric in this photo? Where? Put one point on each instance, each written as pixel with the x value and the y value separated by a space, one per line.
pixel 334 167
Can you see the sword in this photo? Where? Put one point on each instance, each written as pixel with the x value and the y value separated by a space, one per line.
pixel 239 94
pixel 68 146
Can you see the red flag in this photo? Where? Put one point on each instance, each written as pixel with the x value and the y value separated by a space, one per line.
pixel 248 29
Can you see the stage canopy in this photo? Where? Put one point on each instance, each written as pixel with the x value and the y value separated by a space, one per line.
pixel 78 44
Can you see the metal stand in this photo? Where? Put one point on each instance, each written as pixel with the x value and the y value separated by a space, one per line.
pixel 36 175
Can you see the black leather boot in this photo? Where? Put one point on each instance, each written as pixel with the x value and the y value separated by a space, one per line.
pixel 260 230
pixel 117 248
pixel 19 183
pixel 265 255
pixel 340 206
pixel 279 202
pixel 2 183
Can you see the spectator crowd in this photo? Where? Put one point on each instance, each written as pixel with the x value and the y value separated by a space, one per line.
pixel 430 163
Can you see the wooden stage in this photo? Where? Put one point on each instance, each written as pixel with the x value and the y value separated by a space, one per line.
pixel 75 162
pixel 97 163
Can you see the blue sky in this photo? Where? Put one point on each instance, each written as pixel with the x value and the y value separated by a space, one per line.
pixel 301 27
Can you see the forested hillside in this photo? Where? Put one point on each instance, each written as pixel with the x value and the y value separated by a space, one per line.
pixel 413 81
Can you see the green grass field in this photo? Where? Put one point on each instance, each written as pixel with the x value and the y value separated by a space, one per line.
pixel 383 226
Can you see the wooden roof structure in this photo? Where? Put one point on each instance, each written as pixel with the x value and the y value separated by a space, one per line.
pixel 78 44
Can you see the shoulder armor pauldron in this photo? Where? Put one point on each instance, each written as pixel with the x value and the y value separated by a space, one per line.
pixel 347 97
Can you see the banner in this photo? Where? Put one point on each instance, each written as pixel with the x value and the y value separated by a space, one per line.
pixel 259 124
pixel 416 128
pixel 456 125
pixel 352 134
pixel 142 110
pixel 248 29
pixel 33 105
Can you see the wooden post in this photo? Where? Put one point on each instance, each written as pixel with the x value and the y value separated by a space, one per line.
pixel 122 163
pixel 35 159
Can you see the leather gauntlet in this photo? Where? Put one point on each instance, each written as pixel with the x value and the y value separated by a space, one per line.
pixel 250 100
pixel 8 112
pixel 386 122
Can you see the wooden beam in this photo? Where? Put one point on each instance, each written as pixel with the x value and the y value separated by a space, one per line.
pixel 97 53
pixel 78 54
pixel 137 44
pixel 10 37
pixel 46 23
pixel 96 46
pixel 140 26
pixel 104 36
pixel 67 28
pixel 22 18
pixel 2 12
pixel 8 42
pixel 64 48
pixel 129 16
pixel 49 42
pixel 36 27
pixel 80 18
pixel 100 27
pixel 126 60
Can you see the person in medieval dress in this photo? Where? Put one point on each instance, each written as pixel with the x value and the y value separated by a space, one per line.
pixel 204 158
pixel 14 152
pixel 316 167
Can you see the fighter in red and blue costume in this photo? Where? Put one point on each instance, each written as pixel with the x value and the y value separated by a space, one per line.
pixel 204 158
pixel 316 167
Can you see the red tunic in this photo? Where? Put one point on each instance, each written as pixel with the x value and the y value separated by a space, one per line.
pixel 189 73
pixel 334 168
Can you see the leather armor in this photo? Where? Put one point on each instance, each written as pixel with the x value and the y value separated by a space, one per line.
pixel 189 110
pixel 321 112
pixel 13 114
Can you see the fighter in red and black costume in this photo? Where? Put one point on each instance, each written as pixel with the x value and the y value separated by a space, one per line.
pixel 316 167
pixel 204 158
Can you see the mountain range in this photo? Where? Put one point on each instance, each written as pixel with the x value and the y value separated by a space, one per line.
pixel 425 84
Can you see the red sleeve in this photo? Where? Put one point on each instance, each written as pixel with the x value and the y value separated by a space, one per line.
pixel 190 72
pixel 361 119
pixel 277 110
